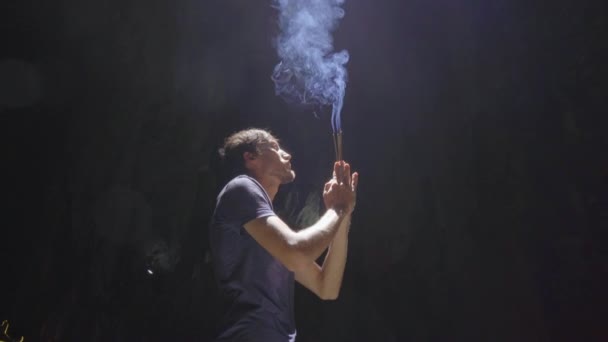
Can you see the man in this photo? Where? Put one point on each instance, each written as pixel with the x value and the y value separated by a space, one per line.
pixel 256 256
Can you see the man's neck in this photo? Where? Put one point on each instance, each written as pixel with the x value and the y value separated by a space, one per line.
pixel 270 185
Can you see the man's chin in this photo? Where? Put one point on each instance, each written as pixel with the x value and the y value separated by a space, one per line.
pixel 289 178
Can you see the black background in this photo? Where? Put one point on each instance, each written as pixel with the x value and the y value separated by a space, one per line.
pixel 478 128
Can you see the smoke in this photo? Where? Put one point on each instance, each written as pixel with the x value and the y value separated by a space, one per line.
pixel 310 72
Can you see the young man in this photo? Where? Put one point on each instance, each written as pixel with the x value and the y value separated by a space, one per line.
pixel 256 256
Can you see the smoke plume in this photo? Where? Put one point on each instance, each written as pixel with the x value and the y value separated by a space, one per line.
pixel 310 72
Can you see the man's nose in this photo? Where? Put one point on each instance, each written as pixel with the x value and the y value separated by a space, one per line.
pixel 286 155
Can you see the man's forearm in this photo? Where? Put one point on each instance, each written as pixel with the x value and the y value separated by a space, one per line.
pixel 332 270
pixel 314 240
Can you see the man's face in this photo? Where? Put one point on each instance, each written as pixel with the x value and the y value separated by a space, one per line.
pixel 275 162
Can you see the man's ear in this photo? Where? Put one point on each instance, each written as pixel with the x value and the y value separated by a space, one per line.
pixel 249 159
pixel 248 156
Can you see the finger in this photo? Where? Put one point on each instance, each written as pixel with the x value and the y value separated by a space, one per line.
pixel 336 170
pixel 355 181
pixel 326 187
pixel 342 172
pixel 347 176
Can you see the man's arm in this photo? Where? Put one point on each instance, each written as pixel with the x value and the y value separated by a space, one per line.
pixel 299 250
pixel 295 250
pixel 325 281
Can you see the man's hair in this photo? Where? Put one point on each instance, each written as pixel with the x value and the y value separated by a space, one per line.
pixel 247 140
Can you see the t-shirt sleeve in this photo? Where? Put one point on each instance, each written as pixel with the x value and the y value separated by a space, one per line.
pixel 244 201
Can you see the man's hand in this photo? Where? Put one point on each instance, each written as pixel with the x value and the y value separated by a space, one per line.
pixel 340 192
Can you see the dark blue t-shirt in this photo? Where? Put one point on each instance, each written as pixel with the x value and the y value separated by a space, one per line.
pixel 256 287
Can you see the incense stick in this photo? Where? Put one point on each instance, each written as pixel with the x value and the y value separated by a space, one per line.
pixel 338 145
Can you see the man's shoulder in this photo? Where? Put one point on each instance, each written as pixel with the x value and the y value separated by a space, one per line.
pixel 241 183
pixel 242 195
pixel 241 180
pixel 243 186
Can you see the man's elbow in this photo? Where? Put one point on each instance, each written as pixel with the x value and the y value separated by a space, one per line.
pixel 330 298
pixel 293 266
pixel 296 261
pixel 297 255
pixel 329 295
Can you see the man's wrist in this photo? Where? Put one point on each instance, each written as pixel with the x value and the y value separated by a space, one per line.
pixel 341 212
